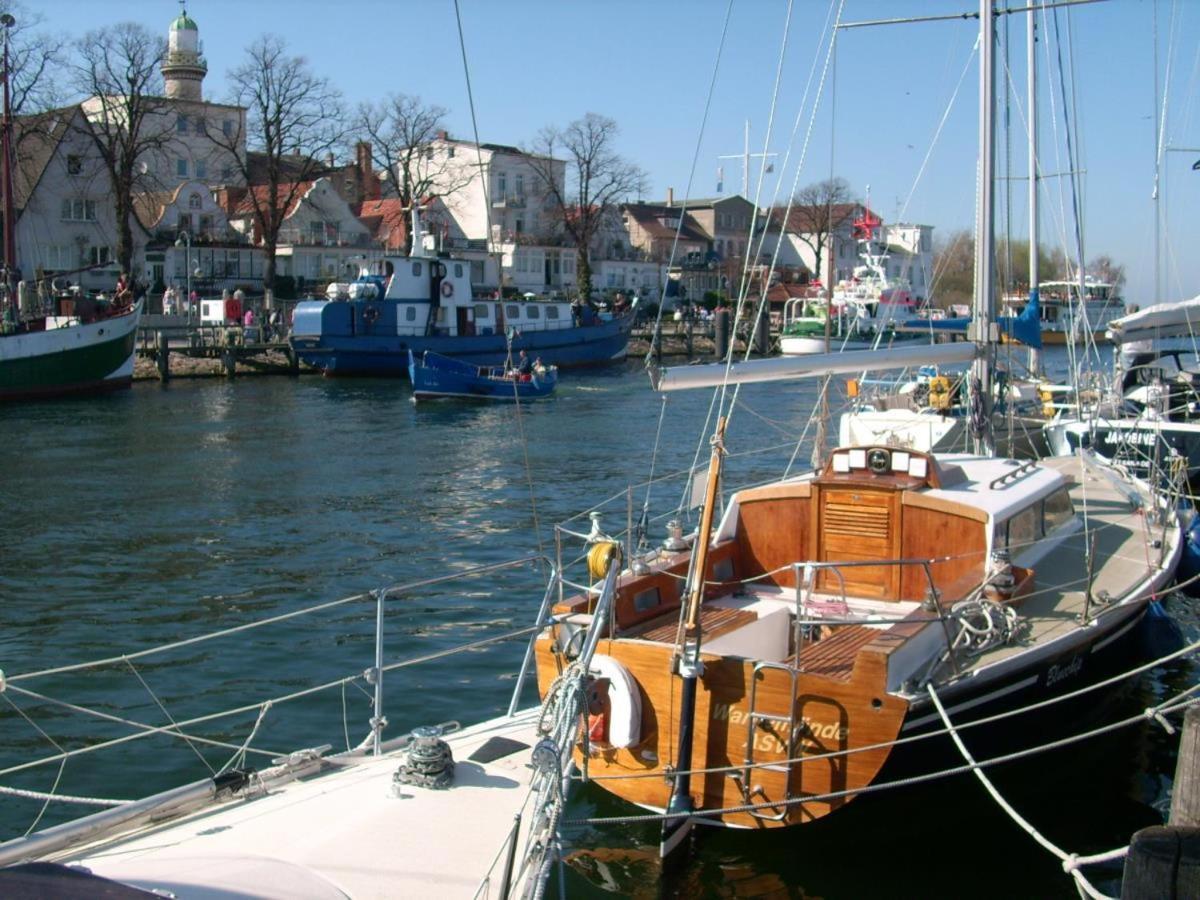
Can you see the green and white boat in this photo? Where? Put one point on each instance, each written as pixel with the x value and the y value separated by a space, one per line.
pixel 52 356
pixel 88 350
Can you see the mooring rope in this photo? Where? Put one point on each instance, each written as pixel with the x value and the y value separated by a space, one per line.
pixel 1071 862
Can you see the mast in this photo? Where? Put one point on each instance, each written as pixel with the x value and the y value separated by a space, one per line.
pixel 690 666
pixel 982 327
pixel 9 222
pixel 1035 354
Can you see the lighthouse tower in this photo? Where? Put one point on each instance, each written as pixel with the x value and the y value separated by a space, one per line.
pixel 184 68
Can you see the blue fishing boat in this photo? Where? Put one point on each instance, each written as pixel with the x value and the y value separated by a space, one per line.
pixel 425 302
pixel 435 376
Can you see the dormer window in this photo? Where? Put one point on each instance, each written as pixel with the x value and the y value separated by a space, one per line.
pixel 74 165
pixel 194 201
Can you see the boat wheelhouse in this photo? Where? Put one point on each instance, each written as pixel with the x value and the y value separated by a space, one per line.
pixel 426 303
pixel 1064 318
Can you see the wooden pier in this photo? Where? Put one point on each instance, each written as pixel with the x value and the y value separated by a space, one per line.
pixel 1164 860
pixel 167 349
pixel 698 339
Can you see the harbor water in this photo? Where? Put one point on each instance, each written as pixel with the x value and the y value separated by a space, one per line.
pixel 168 511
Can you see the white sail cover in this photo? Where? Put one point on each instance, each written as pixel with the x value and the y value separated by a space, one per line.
pixel 813 365
pixel 1164 320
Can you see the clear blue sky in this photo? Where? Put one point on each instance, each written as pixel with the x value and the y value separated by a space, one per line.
pixel 648 65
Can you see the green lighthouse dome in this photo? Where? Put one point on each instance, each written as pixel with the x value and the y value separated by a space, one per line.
pixel 183 23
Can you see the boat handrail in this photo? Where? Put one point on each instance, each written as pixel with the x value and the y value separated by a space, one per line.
pixel 372 675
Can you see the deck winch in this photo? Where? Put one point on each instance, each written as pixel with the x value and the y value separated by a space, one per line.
pixel 430 762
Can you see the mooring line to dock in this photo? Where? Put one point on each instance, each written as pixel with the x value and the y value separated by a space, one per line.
pixel 1070 861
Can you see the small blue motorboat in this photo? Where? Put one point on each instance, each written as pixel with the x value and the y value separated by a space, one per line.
pixel 437 376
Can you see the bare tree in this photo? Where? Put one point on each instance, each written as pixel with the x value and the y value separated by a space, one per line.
pixel 1105 268
pixel 598 180
pixel 33 56
pixel 293 120
pixel 953 268
pixel 118 70
pixel 816 211
pixel 402 131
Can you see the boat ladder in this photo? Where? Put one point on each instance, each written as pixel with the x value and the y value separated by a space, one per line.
pixel 756 719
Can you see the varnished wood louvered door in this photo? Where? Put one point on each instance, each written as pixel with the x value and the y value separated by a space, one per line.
pixel 857 525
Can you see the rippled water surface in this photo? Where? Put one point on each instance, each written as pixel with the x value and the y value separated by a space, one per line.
pixel 164 512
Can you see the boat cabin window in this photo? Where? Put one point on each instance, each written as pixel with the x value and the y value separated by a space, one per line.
pixel 551 312
pixel 481 311
pixel 532 312
pixel 410 314
pixel 458 272
pixel 646 600
pixel 416 268
pixel 1056 509
pixel 1020 531
pixel 512 311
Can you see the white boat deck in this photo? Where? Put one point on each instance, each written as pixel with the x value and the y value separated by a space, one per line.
pixel 343 833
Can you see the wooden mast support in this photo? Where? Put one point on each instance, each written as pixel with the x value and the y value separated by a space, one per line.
pixel 674 830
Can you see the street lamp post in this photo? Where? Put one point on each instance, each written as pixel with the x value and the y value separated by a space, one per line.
pixel 185 240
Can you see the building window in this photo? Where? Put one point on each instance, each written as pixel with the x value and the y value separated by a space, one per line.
pixel 520 226
pixel 99 256
pixel 520 185
pixel 181 124
pixel 199 126
pixel 201 168
pixel 227 128
pixel 417 269
pixel 551 312
pixel 194 201
pixel 410 313
pixel 78 210
pixel 74 164
pixel 458 270
pixel 181 168
pixel 512 311
pixel 205 224
pixel 450 151
pixel 501 184
pixel 481 311
pixel 185 222
pixel 532 312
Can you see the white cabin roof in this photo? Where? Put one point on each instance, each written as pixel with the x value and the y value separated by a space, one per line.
pixel 1005 499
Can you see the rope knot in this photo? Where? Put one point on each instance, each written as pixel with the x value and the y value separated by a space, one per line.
pixel 1070 863
pixel 1153 713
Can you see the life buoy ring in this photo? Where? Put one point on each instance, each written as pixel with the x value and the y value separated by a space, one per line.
pixel 371 315
pixel 621 724
pixel 447 289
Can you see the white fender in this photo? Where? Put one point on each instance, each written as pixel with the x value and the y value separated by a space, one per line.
pixel 625 698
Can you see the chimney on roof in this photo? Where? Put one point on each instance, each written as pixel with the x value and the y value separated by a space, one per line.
pixel 368 185
pixel 442 135
pixel 670 196
pixel 329 159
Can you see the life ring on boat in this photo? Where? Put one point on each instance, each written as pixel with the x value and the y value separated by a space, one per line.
pixel 447 289
pixel 620 725
pixel 371 315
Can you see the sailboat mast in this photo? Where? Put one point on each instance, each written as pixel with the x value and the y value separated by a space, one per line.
pixel 1035 354
pixel 9 224
pixel 982 326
